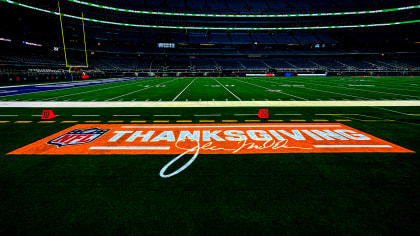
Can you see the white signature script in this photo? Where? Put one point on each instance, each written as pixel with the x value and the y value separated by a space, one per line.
pixel 243 144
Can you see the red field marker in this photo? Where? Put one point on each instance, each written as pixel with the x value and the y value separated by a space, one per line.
pixel 263 114
pixel 47 115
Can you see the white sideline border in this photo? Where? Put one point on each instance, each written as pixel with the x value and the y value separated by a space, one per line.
pixel 263 104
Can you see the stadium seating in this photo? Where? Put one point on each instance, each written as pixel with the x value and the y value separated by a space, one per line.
pixel 203 64
pixel 252 64
pixel 262 38
pixel 241 38
pixel 307 38
pixel 198 38
pixel 229 64
pixel 284 38
pixel 220 38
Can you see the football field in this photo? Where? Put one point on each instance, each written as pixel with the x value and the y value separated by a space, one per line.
pixel 224 89
pixel 361 192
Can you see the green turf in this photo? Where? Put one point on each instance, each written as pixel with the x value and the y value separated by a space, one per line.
pixel 271 194
pixel 235 89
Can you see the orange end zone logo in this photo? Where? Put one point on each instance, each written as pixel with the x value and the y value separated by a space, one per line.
pixel 208 139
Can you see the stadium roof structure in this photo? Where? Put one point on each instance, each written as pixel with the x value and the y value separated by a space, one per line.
pixel 230 28
pixel 245 15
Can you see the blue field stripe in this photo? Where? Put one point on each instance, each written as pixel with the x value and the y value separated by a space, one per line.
pixel 23 89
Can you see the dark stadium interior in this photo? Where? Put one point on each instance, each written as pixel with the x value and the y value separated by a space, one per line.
pixel 292 117
pixel 123 50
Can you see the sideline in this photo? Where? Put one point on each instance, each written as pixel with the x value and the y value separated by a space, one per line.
pixel 44 104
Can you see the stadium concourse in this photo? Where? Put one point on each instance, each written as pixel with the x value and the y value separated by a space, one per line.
pixel 209 117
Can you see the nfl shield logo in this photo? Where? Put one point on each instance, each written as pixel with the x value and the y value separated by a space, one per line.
pixel 78 136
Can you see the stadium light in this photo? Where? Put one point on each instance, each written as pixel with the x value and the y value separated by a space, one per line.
pixel 32 44
pixel 213 28
pixel 6 40
pixel 242 15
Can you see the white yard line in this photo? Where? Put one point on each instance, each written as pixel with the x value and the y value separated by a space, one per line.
pixel 228 90
pixel 245 114
pixel 271 89
pixel 166 115
pixel 352 146
pixel 126 104
pixel 207 115
pixel 85 115
pixel 287 114
pixel 126 115
pixel 228 126
pixel 179 94
pixel 138 90
pixel 131 148
pixel 8 115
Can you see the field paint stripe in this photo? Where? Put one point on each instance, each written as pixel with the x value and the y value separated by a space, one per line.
pixel 85 115
pixel 184 121
pixel 141 90
pixel 396 111
pixel 46 121
pixel 207 115
pixel 337 114
pixel 179 94
pixel 125 115
pixel 59 83
pixel 287 114
pixel 245 114
pixel 115 121
pixel 271 89
pixel 229 120
pixel 252 120
pixel 297 120
pixel 60 89
pixel 4 121
pixel 228 90
pixel 138 121
pixel 275 120
pixel 374 117
pixel 23 121
pixel 141 81
pixel 161 121
pixel 230 126
pixel 69 121
pixel 92 121
pixel 208 121
pixel 41 115
pixel 166 115
pixel 319 120
pixel 342 120
pixel 8 115
pixel 130 148
pixel 266 104
pixel 352 146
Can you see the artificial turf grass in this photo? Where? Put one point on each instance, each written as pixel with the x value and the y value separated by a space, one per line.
pixel 346 193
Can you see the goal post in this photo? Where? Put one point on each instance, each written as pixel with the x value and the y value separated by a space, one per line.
pixel 70 67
